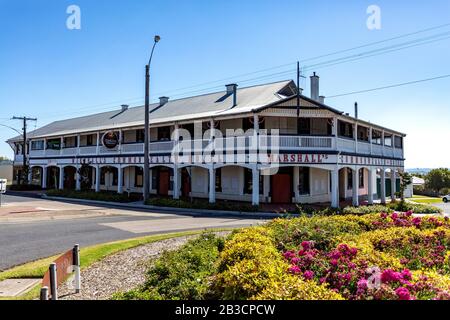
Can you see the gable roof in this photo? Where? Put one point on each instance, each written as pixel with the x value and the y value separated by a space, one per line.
pixel 202 106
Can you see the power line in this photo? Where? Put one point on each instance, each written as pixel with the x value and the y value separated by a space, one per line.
pixel 325 64
pixel 351 58
pixel 384 50
pixel 390 86
pixel 317 57
pixel 377 42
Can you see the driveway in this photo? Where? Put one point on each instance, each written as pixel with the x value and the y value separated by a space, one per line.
pixel 444 206
pixel 33 228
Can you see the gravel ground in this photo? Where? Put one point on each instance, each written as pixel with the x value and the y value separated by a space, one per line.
pixel 122 271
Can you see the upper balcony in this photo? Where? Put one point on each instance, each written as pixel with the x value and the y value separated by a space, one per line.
pixel 295 135
pixel 283 143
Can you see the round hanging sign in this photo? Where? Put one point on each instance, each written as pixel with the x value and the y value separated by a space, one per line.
pixel 110 140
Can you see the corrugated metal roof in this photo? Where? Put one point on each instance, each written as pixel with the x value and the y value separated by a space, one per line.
pixel 202 106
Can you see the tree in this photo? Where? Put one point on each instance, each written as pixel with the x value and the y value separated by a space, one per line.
pixel 405 180
pixel 438 179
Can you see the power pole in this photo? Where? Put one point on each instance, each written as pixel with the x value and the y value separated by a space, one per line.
pixel 24 147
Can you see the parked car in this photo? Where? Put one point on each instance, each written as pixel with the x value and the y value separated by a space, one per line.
pixel 446 198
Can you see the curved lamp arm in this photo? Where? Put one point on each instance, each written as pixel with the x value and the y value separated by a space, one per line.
pixel 156 40
pixel 4 125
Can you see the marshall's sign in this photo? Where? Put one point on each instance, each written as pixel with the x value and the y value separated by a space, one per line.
pixel 300 158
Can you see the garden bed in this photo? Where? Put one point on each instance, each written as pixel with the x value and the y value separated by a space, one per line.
pixel 391 207
pixel 202 204
pixel 24 187
pixel 387 256
pixel 122 271
pixel 96 196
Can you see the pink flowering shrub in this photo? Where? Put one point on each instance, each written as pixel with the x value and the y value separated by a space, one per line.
pixel 415 252
pixel 385 221
pixel 353 279
pixel 376 256
pixel 336 267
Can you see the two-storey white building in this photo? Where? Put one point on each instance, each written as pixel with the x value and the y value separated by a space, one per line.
pixel 320 155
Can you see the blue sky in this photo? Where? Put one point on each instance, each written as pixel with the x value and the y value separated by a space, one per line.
pixel 52 73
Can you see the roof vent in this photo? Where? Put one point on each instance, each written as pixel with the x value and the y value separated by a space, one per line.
pixel 322 99
pixel 232 89
pixel 163 100
pixel 124 107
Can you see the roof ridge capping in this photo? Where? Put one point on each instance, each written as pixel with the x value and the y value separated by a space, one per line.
pixel 157 104
pixel 253 99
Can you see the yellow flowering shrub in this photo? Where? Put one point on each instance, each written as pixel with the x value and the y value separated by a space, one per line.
pixel 367 252
pixel 289 233
pixel 248 264
pixel 294 288
pixel 433 277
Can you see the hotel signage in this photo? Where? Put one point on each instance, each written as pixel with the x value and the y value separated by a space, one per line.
pixel 307 158
pixel 110 140
pixel 368 161
pixel 284 158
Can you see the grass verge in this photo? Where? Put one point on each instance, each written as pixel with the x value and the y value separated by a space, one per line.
pixel 427 201
pixel 88 256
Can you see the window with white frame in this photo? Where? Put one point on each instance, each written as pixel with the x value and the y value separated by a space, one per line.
pixel 37 145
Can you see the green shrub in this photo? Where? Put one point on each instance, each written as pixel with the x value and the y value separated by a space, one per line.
pixel 294 288
pixel 91 195
pixel 180 274
pixel 415 207
pixel 248 264
pixel 362 210
pixel 391 207
pixel 305 210
pixel 201 204
pixel 289 234
pixel 24 187
pixel 444 191
pixel 250 267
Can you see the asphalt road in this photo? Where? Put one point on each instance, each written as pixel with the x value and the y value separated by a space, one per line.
pixel 443 206
pixel 41 236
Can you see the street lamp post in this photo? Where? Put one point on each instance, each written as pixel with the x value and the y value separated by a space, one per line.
pixel 147 126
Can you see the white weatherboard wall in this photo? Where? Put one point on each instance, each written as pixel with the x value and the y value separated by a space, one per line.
pixel 199 181
pixel 232 180
pixel 319 187
pixel 129 180
pixel 232 184
pixel 348 193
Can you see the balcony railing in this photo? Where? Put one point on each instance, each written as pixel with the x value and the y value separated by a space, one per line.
pixel 88 150
pixel 69 151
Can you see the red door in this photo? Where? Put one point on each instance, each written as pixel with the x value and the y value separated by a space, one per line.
pixel 281 188
pixel 164 180
pixel 186 183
